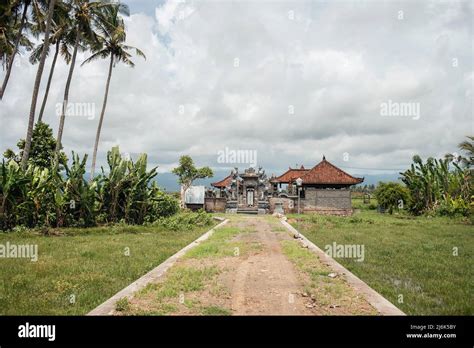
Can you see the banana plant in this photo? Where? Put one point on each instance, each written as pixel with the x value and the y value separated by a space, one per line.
pixel 437 184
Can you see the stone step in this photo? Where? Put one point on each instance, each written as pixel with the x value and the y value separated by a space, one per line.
pixel 247 211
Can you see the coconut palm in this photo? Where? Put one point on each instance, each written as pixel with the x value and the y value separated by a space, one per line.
pixel 11 34
pixel 39 73
pixel 62 37
pixel 112 30
pixel 9 13
pixel 84 13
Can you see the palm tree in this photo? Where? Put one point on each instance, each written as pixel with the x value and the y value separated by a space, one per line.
pixel 85 13
pixel 62 40
pixel 6 30
pixel 9 13
pixel 112 30
pixel 39 72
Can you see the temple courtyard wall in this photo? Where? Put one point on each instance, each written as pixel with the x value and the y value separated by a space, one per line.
pixel 322 201
pixel 215 204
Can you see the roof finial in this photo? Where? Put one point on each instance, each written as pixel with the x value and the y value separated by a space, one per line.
pixel 324 158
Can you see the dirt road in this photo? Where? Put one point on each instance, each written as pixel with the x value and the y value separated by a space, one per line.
pixel 252 266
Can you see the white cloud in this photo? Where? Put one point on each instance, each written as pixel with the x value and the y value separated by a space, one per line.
pixel 333 63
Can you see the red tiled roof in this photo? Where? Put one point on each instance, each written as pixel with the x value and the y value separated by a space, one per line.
pixel 327 173
pixel 290 175
pixel 223 183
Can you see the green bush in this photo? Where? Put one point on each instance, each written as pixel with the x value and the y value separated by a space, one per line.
pixel 185 220
pixel 164 205
pixel 453 207
pixel 391 196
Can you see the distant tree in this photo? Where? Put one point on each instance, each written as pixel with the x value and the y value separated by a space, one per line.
pixel 43 146
pixel 391 196
pixel 187 173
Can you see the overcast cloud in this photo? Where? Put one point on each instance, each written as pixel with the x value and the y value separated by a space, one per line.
pixel 291 80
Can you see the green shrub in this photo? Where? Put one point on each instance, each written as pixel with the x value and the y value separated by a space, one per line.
pixel 453 207
pixel 391 196
pixel 185 220
pixel 165 205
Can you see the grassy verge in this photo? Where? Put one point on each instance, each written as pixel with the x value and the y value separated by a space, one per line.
pixel 329 295
pixel 166 297
pixel 77 269
pixel 425 266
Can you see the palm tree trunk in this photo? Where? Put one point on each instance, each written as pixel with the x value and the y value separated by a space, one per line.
pixel 51 72
pixel 15 50
pixel 65 99
pixel 39 72
pixel 99 128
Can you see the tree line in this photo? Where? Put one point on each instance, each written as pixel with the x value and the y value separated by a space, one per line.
pixel 43 197
pixel 442 186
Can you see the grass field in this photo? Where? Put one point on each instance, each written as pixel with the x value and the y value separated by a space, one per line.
pixel 410 260
pixel 81 268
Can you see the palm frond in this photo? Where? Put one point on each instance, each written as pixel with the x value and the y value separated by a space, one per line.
pixel 97 55
pixel 36 54
pixel 65 53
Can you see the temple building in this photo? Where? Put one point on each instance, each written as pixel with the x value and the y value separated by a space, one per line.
pixel 288 179
pixel 324 189
pixel 245 192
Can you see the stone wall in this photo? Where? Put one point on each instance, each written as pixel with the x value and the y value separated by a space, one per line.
pixel 288 204
pixel 215 204
pixel 331 201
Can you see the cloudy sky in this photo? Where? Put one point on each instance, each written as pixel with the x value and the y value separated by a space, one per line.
pixel 289 80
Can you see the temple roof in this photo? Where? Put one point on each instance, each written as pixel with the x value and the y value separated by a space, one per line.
pixel 327 173
pixel 324 173
pixel 290 175
pixel 223 183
